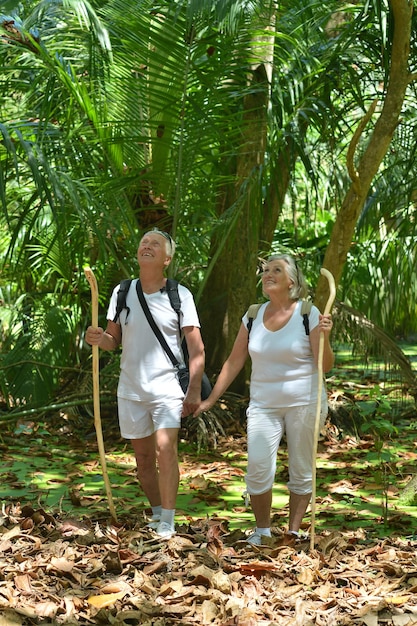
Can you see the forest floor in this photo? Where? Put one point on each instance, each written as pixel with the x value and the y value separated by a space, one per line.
pixel 63 560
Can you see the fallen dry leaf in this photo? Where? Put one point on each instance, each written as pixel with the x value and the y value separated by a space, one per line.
pixel 105 599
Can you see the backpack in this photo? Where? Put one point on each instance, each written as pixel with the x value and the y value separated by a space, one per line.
pixel 171 288
pixel 305 312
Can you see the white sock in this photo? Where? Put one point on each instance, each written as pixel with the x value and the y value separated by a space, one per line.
pixel 263 531
pixel 167 515
pixel 156 510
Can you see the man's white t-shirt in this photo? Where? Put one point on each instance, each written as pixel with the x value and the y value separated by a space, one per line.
pixel 146 371
pixel 283 370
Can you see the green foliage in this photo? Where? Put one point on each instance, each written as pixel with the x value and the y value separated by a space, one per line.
pixel 65 477
pixel 39 340
pixel 378 420
pixel 111 110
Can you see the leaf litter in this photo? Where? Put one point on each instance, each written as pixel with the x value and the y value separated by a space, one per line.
pixel 67 572
pixel 59 569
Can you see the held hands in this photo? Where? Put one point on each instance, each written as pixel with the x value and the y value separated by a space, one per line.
pixel 195 408
pixel 191 402
pixel 93 335
pixel 205 405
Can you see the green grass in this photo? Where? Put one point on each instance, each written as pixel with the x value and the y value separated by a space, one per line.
pixel 347 494
pixel 59 472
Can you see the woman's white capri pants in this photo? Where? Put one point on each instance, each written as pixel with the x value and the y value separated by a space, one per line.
pixel 265 428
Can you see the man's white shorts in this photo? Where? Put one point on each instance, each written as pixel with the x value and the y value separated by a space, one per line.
pixel 139 419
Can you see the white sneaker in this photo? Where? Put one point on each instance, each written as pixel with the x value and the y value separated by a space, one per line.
pixel 165 530
pixel 154 523
pixel 303 536
pixel 255 538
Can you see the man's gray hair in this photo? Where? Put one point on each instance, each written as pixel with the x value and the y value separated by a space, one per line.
pixel 170 243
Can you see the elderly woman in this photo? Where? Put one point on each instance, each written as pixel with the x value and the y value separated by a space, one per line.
pixel 283 390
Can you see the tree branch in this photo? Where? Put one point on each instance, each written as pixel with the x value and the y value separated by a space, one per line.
pixel 353 173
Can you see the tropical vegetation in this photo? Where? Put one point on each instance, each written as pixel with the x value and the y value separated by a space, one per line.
pixel 241 127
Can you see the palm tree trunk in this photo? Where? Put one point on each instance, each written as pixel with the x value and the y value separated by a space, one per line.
pixel 231 286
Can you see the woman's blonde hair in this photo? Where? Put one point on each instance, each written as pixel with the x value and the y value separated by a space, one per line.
pixel 299 289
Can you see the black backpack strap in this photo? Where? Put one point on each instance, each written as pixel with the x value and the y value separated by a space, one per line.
pixel 252 313
pixel 305 312
pixel 171 288
pixel 154 326
pixel 121 299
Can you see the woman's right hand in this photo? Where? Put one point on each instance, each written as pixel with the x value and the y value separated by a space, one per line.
pixel 94 335
pixel 204 406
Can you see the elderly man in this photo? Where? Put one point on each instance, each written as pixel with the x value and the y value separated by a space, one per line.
pixel 150 400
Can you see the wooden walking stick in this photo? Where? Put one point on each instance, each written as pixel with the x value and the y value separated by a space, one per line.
pixel 96 391
pixel 327 310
